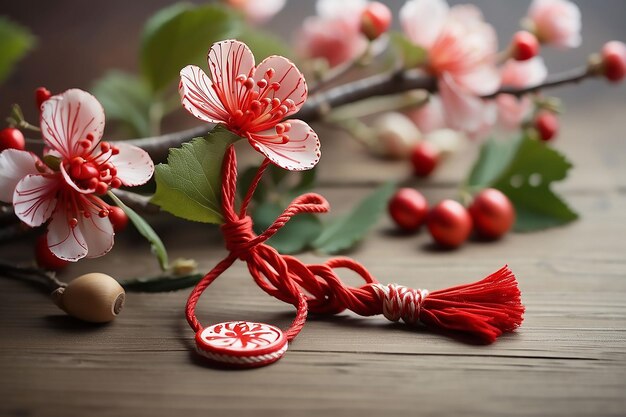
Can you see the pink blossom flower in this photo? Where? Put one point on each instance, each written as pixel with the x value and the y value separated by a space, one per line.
pixel 461 49
pixel 258 11
pixel 335 33
pixel 520 74
pixel 252 101
pixel 66 191
pixel 555 22
pixel 429 117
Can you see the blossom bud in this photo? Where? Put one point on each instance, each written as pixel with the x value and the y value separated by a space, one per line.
pixel 614 61
pixel 42 94
pixel 547 125
pixel 396 135
pixel 524 46
pixel 555 22
pixel 375 20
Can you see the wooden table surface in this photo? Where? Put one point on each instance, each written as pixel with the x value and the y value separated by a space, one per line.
pixel 567 359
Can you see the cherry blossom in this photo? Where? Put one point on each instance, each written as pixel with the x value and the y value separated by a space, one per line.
pixel 430 116
pixel 258 11
pixel 334 33
pixel 461 50
pixel 252 102
pixel 555 22
pixel 512 110
pixel 79 168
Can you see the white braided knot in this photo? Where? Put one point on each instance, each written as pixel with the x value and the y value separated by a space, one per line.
pixel 401 302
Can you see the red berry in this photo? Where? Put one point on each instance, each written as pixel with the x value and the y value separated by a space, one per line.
pixel 45 258
pixel 118 218
pixel 449 223
pixel 424 158
pixel 492 213
pixel 42 94
pixel 524 46
pixel 11 138
pixel 375 20
pixel 614 61
pixel 408 209
pixel 547 125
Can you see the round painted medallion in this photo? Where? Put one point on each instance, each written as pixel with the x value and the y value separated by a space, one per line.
pixel 241 343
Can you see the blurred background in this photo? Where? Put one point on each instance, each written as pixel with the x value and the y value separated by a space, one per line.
pixel 78 42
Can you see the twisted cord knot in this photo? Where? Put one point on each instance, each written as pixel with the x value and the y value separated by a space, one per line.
pixel 239 237
pixel 400 302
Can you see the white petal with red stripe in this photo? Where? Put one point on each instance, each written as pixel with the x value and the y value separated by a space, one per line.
pixel 14 165
pixel 70 117
pixel 300 152
pixel 227 60
pixel 34 198
pixel 65 242
pixel 198 96
pixel 133 164
pixel 292 83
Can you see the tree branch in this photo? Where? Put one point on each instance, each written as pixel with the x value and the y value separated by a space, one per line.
pixel 137 202
pixel 320 104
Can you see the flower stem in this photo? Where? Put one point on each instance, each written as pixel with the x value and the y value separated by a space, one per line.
pixel 253 186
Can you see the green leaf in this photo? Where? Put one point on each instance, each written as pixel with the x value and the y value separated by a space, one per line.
pixel 189 185
pixel 181 35
pixel 145 230
pixel 527 182
pixel 344 232
pixel 126 98
pixel 276 174
pixel 164 283
pixel 412 55
pixel 264 44
pixel 494 157
pixel 15 42
pixel 525 170
pixel 293 237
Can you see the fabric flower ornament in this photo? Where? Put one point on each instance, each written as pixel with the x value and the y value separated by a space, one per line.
pixel 461 50
pixel 252 101
pixel 555 22
pixel 79 168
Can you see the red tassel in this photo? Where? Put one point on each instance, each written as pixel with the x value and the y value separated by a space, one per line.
pixel 486 308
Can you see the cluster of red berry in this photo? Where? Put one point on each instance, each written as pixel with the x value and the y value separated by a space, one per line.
pixel 490 214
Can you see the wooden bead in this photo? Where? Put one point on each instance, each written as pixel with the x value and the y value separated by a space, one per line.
pixel 93 297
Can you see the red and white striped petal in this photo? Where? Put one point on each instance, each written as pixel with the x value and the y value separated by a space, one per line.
pixel 68 118
pixel 65 242
pixel 14 165
pixel 133 164
pixel 228 59
pixel 292 83
pixel 98 234
pixel 300 152
pixel 90 237
pixel 198 96
pixel 34 198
